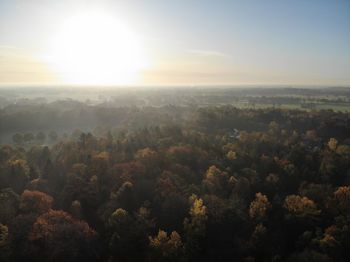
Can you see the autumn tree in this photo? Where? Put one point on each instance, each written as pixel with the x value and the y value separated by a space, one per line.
pixel 35 201
pixel 300 206
pixel 166 248
pixel 332 144
pixel 3 234
pixel 231 155
pixel 259 206
pixel 59 237
pixel 195 227
pixel 5 248
pixel 215 181
pixel 341 200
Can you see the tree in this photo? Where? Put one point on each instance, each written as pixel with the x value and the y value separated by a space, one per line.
pixel 15 174
pixel 5 249
pixel 35 201
pixel 53 136
pixel 166 248
pixel 258 241
pixel 76 134
pixel 341 200
pixel 332 144
pixel 309 256
pixel 9 202
pixel 215 181
pixel 335 240
pixel 195 227
pixel 124 197
pixel 57 236
pixel 231 155
pixel 4 232
pixel 75 209
pixel 17 138
pixel 129 235
pixel 28 137
pixel 300 206
pixel 40 137
pixel 20 228
pixel 144 153
pixel 259 206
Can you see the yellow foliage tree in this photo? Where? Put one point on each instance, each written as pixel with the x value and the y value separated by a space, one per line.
pixel 166 247
pixel 259 206
pixel 300 206
pixel 332 144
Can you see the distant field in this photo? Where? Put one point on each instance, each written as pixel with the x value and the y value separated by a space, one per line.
pixel 317 106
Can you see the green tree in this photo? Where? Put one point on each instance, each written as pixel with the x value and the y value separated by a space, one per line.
pixel 129 235
pixel 53 136
pixel 17 138
pixel 40 137
pixel 28 137
pixel 9 204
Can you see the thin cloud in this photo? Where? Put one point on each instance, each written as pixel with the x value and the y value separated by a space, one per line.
pixel 208 53
pixel 8 47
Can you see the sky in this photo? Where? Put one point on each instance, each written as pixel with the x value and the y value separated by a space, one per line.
pixel 182 42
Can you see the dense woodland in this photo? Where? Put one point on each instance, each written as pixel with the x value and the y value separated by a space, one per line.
pixel 175 183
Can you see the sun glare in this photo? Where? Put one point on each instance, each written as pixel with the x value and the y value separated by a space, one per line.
pixel 95 48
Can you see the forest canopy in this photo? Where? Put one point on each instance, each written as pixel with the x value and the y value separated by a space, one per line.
pixel 177 183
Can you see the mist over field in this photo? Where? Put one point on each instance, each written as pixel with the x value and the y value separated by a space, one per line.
pixel 66 109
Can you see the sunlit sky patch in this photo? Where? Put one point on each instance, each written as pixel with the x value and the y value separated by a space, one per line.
pixel 175 42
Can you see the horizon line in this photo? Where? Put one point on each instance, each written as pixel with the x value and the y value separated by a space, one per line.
pixel 255 85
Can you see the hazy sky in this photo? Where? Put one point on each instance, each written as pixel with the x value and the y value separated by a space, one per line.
pixel 185 41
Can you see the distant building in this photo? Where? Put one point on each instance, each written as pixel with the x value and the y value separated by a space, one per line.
pixel 234 134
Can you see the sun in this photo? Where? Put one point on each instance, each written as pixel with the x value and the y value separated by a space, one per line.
pixel 97 49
